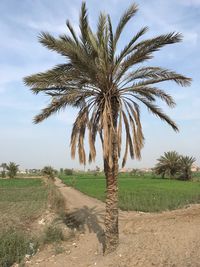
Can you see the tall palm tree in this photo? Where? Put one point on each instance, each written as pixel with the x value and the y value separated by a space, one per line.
pixel 107 88
pixel 169 164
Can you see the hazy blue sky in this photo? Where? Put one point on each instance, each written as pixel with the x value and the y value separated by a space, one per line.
pixel 20 55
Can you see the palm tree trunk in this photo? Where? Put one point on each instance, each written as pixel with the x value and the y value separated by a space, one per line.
pixel 111 216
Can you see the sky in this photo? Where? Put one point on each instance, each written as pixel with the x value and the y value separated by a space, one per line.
pixel 48 143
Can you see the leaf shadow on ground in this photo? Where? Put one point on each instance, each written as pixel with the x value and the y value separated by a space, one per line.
pixel 86 218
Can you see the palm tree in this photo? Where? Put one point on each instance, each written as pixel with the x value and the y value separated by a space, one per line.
pixel 3 173
pixel 107 88
pixel 169 164
pixel 12 169
pixel 3 165
pixel 185 165
pixel 49 172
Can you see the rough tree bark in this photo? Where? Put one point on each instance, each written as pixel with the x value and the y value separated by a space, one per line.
pixel 111 216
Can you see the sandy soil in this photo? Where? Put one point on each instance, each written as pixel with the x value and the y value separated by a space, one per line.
pixel 146 239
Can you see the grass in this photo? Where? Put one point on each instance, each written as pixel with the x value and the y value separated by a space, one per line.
pixel 140 193
pixel 14 245
pixel 21 201
pixel 55 199
pixel 52 234
pixel 20 182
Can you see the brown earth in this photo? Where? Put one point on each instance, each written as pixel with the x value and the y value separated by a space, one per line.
pixel 146 239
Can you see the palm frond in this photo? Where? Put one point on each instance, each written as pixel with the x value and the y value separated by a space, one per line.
pixel 150 93
pixel 111 41
pixel 101 25
pixel 119 134
pixel 83 23
pixel 143 50
pixel 56 77
pixel 138 137
pixel 149 75
pixel 69 26
pixel 158 112
pixel 127 49
pixel 73 98
pixel 130 144
pixel 128 14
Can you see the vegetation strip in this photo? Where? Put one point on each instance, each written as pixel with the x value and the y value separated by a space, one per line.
pixel 139 193
pixel 21 202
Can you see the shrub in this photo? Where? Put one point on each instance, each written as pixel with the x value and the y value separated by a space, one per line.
pixel 56 200
pixel 49 172
pixel 14 245
pixel 58 249
pixel 68 171
pixel 53 234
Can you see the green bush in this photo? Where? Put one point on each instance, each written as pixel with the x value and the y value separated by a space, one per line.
pixel 49 172
pixel 68 172
pixel 14 245
pixel 53 234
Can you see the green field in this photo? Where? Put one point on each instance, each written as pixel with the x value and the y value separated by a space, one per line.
pixel 147 193
pixel 21 200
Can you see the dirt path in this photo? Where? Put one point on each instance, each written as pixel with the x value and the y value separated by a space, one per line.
pixel 146 239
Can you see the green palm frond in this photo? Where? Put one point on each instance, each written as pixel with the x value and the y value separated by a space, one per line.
pixel 158 112
pixel 144 50
pixel 83 23
pixel 128 14
pixel 69 26
pixel 128 48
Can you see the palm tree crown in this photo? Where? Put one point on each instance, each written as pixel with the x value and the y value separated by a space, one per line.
pixel 169 164
pixel 186 165
pixel 107 87
pixel 12 169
